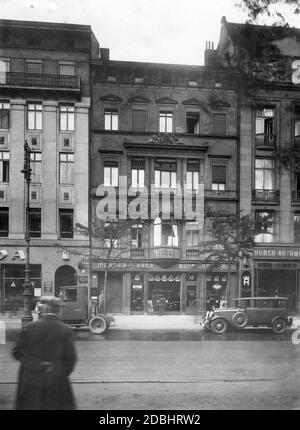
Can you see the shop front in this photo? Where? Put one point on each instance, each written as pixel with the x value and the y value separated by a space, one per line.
pixel 276 273
pixel 144 288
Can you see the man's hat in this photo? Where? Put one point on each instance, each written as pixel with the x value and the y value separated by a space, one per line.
pixel 51 301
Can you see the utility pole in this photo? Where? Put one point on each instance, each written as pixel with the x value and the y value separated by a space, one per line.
pixel 27 285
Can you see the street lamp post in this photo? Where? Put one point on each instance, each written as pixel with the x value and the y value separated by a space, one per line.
pixel 27 285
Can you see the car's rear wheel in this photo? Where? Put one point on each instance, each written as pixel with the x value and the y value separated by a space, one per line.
pixel 240 319
pixel 98 324
pixel 218 326
pixel 279 326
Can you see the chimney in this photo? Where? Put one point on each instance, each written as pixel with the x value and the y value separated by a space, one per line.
pixel 209 53
pixel 104 54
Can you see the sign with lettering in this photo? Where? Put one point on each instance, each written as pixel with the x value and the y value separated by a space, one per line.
pixel 277 252
pixel 246 279
pixel 143 266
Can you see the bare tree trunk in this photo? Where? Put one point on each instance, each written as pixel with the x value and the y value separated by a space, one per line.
pixel 105 289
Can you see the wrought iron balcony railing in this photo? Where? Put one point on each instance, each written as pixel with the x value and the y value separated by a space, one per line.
pixel 166 255
pixel 265 195
pixel 37 80
pixel 192 253
pixel 263 139
pixel 137 252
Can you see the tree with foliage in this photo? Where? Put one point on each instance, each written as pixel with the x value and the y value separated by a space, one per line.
pixel 231 237
pixel 277 10
pixel 109 243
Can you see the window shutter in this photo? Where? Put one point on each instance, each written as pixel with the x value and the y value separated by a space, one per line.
pixel 219 174
pixel 139 120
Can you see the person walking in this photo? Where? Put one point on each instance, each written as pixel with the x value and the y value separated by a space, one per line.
pixel 47 355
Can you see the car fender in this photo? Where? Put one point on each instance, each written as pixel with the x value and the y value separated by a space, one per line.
pixel 220 316
pixel 279 317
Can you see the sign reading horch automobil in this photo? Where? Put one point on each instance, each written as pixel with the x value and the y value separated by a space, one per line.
pixel 276 252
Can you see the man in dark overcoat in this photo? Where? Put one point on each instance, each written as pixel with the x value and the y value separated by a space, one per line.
pixel 46 352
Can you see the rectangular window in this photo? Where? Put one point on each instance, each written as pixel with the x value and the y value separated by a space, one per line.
pixel 34 222
pixel 192 174
pixel 67 117
pixel 264 226
pixel 264 174
pixel 66 168
pixel 165 122
pixel 264 125
pixel 192 238
pixel 165 233
pixel 4 114
pixel 192 122
pixel 139 120
pixel 66 223
pixel 36 166
pixel 111 119
pixel 33 67
pixel 67 69
pixel 137 172
pixel 4 222
pixel 4 166
pixel 165 173
pixel 297 121
pixel 34 116
pixel 219 123
pixel 111 173
pixel 4 69
pixel 218 182
pixel 137 236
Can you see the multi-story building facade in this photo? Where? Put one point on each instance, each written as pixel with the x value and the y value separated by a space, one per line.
pixel 44 100
pixel 155 127
pixel 269 156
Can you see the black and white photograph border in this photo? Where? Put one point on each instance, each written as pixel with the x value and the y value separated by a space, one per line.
pixel 149 208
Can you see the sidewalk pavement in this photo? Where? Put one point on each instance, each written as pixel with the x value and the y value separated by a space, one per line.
pixel 141 322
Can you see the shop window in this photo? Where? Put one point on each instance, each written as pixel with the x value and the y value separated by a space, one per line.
pixel 4 114
pixel 111 173
pixel 164 292
pixel 165 233
pixel 139 120
pixel 66 223
pixel 165 122
pixel 4 222
pixel 192 122
pixel 165 173
pixel 297 121
pixel 35 222
pixel 137 172
pixel 216 284
pixel 219 123
pixel 264 226
pixel 218 178
pixel 111 119
pixel 192 174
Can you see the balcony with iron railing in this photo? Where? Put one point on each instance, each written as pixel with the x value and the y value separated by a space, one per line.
pixel 271 196
pixel 39 81
pixel 265 140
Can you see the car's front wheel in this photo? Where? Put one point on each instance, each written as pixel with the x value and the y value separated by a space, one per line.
pixel 218 325
pixel 279 326
pixel 240 319
pixel 98 324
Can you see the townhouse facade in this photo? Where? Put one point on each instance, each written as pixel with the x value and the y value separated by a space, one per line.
pixel 44 100
pixel 163 128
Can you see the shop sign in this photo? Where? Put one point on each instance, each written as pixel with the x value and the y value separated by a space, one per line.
pixel 83 279
pixel 18 254
pixel 246 279
pixel 276 252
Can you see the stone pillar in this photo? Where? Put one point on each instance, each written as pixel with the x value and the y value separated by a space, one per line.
pixel 126 293
pixel 146 284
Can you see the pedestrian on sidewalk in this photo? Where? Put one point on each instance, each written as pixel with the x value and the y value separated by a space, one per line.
pixel 46 352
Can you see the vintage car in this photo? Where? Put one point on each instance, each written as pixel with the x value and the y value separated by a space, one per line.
pixel 251 311
pixel 75 311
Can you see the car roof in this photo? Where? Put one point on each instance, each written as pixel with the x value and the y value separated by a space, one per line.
pixel 262 298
